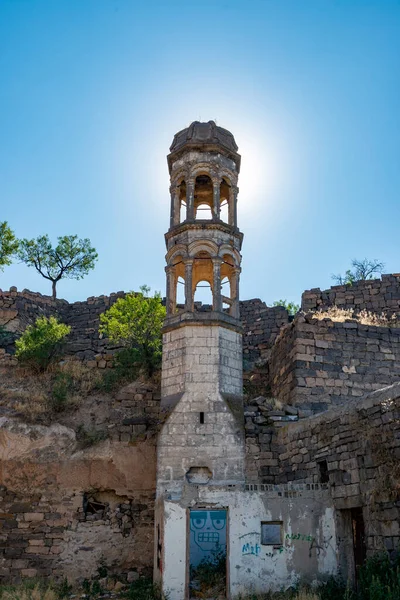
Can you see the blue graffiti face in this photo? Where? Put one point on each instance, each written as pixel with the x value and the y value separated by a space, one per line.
pixel 208 528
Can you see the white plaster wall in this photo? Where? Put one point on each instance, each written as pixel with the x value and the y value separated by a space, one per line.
pixel 327 552
pixel 309 549
pixel 253 566
pixel 174 570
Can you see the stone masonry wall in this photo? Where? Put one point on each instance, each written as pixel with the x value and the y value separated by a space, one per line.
pixel 66 508
pixel 316 364
pixel 261 324
pixel 19 309
pixel 201 378
pixel 361 448
pixel 376 295
pixel 352 450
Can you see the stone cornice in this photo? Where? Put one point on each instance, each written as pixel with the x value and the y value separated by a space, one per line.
pixel 206 224
pixel 212 318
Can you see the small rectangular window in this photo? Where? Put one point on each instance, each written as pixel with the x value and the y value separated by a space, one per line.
pixel 271 533
pixel 202 418
pixel 323 472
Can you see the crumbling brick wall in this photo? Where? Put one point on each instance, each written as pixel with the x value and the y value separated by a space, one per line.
pixel 316 364
pixel 67 509
pixel 354 451
pixel 377 295
pixel 361 450
pixel 261 325
pixel 18 309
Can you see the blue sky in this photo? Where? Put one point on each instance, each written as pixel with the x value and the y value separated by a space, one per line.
pixel 92 92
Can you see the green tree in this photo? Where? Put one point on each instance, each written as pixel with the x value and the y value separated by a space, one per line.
pixel 8 245
pixel 361 270
pixel 41 344
pixel 72 258
pixel 135 322
pixel 291 307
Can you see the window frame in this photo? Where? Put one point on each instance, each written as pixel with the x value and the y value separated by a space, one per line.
pixel 273 544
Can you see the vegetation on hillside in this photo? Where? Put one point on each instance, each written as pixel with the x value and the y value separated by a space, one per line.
pixel 41 344
pixel 379 579
pixel 49 395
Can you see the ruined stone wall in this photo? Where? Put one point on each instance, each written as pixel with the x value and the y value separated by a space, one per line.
pixel 18 309
pixel 67 507
pixel 376 295
pixel 316 364
pixel 261 325
pixel 352 451
pixel 361 447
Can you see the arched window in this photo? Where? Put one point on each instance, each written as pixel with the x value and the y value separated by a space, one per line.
pixel 182 202
pixel 226 294
pixel 203 293
pixel 224 195
pixel 175 272
pixel 229 299
pixel 203 211
pixel 202 274
pixel 180 293
pixel 183 211
pixel 203 197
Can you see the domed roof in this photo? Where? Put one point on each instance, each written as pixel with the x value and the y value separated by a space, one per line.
pixel 205 134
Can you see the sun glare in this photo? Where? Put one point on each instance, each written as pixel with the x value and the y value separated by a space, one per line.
pixel 259 175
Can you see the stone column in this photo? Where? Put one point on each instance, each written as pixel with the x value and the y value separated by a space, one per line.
pixel 216 199
pixel 175 205
pixel 235 309
pixel 189 284
pixel 235 195
pixel 172 214
pixel 232 208
pixel 216 288
pixel 171 290
pixel 190 200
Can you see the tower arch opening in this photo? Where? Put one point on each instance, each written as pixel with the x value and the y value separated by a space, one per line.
pixel 203 212
pixel 175 273
pixel 180 293
pixel 226 294
pixel 224 195
pixel 182 202
pixel 203 294
pixel 203 198
pixel 202 277
pixel 230 285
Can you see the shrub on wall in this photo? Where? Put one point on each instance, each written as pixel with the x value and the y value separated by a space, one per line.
pixel 41 344
pixel 135 322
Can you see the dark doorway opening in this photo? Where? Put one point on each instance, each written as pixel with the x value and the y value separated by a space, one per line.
pixel 359 547
pixel 207 553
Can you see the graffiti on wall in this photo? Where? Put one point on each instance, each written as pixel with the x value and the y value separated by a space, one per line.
pixel 250 548
pixel 207 534
pixel 253 549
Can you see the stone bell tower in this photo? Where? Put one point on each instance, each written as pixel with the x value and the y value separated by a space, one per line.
pixel 201 444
